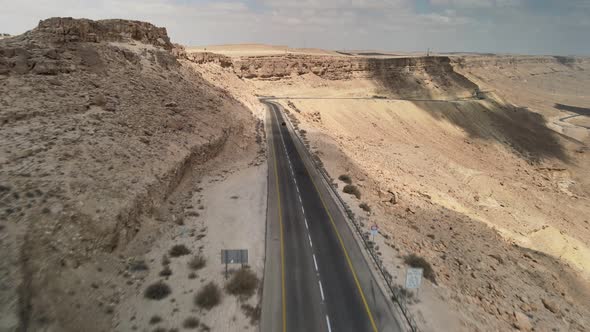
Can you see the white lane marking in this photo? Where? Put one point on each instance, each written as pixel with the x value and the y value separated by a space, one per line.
pixel 315 263
pixel 328 322
pixel 300 201
pixel 302 209
pixel 298 191
pixel 321 290
pixel 306 225
pixel 309 237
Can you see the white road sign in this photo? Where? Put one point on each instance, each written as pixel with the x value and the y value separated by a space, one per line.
pixel 374 230
pixel 413 278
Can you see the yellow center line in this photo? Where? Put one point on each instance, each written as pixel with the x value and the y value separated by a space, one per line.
pixel 352 270
pixel 284 304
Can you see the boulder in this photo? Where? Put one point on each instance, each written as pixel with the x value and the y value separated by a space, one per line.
pixel 521 321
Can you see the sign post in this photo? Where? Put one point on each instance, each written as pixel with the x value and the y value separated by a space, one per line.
pixel 374 231
pixel 233 256
pixel 414 278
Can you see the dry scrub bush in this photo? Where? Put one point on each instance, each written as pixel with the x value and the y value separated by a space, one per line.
pixel 345 178
pixel 243 283
pixel 197 262
pixel 352 190
pixel 157 291
pixel 179 250
pixel 414 260
pixel 209 296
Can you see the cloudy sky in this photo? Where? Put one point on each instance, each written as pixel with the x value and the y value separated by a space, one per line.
pixel 500 26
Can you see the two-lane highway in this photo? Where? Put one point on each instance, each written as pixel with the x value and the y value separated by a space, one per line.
pixel 316 277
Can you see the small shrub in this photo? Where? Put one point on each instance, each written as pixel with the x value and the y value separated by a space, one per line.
pixel 191 323
pixel 192 275
pixel 179 250
pixel 243 283
pixel 402 293
pixel 209 296
pixel 197 262
pixel 417 261
pixel 138 265
pixel 345 178
pixel 155 319
pixel 352 190
pixel 165 260
pixel 365 207
pixel 252 312
pixel 157 291
pixel 166 272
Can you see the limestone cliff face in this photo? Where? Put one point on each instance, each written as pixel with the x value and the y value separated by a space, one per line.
pixel 67 29
pixel 511 62
pixel 411 77
pixel 335 68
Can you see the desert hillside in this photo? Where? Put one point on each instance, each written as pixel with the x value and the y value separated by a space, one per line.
pixel 101 125
pixel 483 185
pixel 128 163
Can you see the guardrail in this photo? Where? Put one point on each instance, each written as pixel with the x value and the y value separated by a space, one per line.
pixel 396 292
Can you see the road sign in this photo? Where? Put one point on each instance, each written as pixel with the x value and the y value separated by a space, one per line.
pixel 374 230
pixel 413 278
pixel 233 256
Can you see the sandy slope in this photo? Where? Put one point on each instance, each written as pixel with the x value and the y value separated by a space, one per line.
pixel 487 191
pixel 98 129
pixel 456 184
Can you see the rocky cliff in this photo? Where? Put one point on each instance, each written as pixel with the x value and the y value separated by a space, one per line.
pixel 99 122
pixel 411 77
pixel 67 29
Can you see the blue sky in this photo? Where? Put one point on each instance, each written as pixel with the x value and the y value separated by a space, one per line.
pixel 498 26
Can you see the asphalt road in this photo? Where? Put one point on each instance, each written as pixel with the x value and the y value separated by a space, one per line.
pixel 316 277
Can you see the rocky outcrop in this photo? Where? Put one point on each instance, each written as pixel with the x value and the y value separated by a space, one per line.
pixel 411 77
pixel 66 45
pixel 202 57
pixel 513 62
pixel 95 137
pixel 67 30
pixel 335 68
pixel 208 57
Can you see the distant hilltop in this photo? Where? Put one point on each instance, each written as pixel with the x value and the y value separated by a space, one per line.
pixel 67 29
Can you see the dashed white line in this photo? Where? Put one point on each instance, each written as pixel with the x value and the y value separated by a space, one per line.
pixel 321 290
pixel 309 237
pixel 328 322
pixel 315 262
pixel 303 209
pixel 300 201
pixel 298 191
pixel 306 225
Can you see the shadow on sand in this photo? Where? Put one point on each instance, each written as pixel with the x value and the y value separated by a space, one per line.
pixel 518 128
pixel 574 109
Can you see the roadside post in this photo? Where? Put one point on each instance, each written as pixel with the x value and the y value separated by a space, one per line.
pixel 374 231
pixel 414 279
pixel 233 256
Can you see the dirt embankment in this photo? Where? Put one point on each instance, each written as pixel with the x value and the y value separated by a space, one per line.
pixel 98 122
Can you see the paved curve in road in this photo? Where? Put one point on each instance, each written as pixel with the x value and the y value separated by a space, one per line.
pixel 316 277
